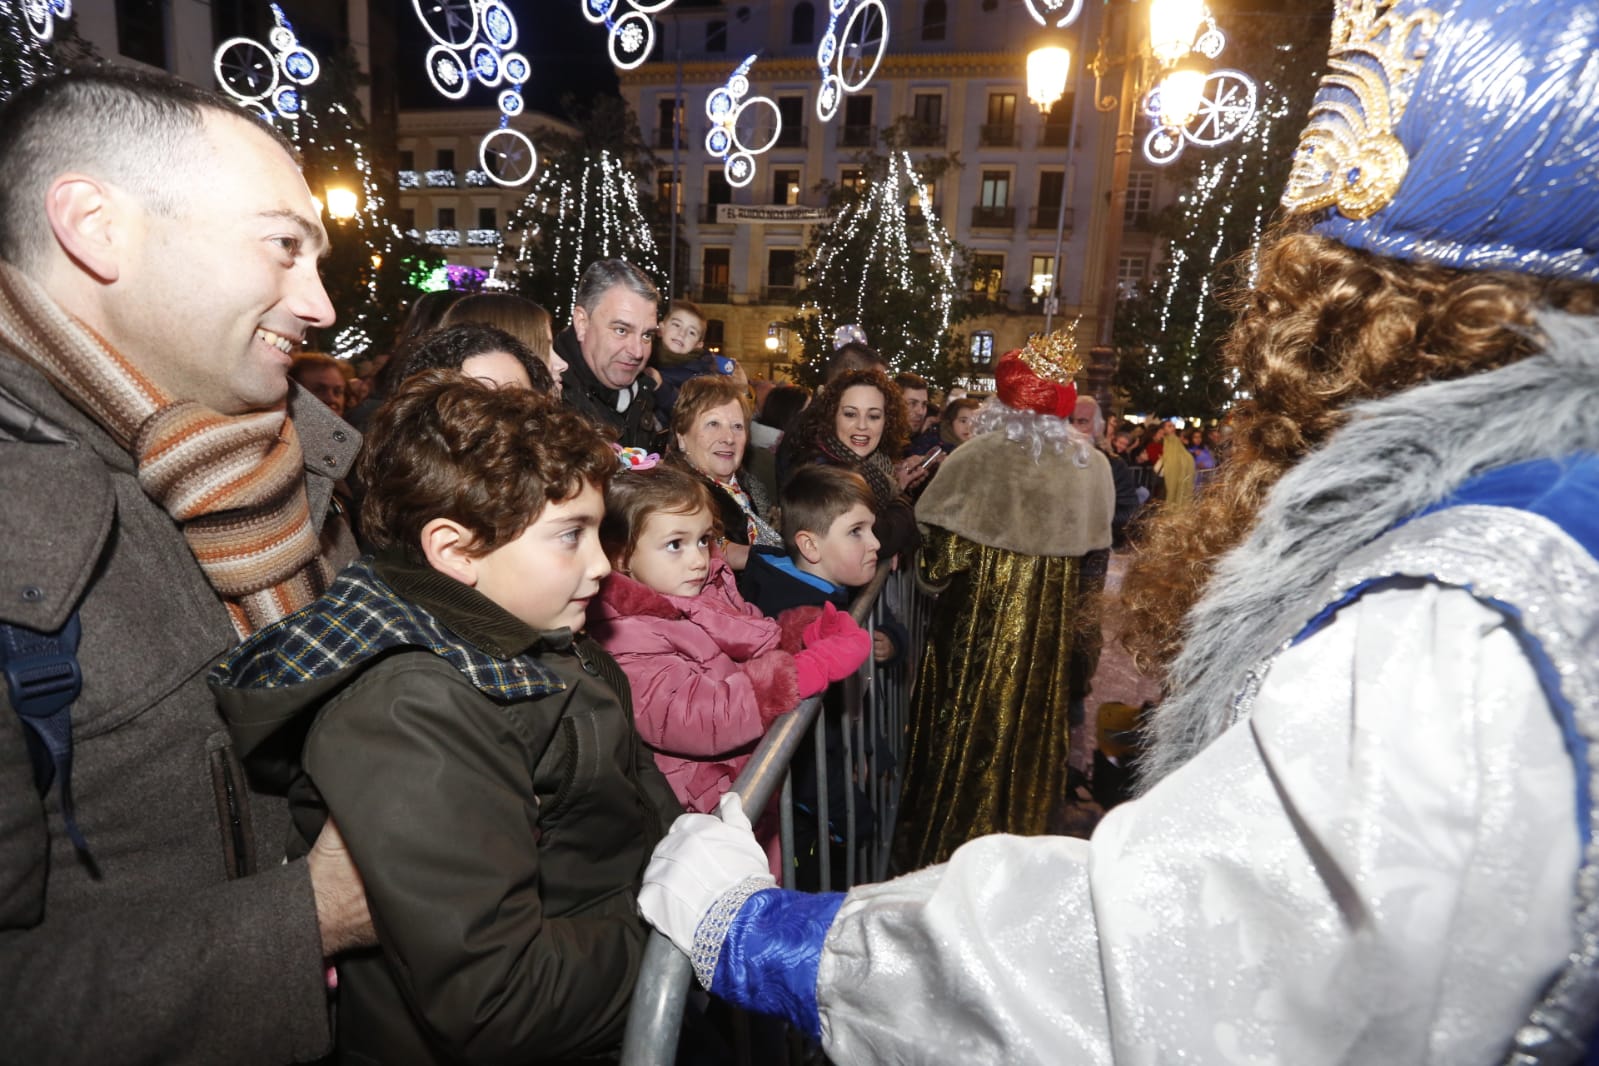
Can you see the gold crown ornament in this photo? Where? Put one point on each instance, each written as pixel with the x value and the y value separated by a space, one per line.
pixel 1348 156
pixel 1054 356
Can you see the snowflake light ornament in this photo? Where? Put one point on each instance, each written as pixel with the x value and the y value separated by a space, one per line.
pixel 41 15
pixel 632 32
pixel 1224 108
pixel 731 109
pixel 267 80
pixel 473 41
pixel 847 57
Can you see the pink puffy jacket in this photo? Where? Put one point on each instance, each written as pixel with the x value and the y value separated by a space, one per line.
pixel 709 674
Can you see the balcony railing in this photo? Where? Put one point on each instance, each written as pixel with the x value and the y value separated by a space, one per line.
pixel 997 135
pixel 993 218
pixel 1046 216
pixel 707 214
pixel 927 135
pixel 409 179
pixel 440 179
pixel 443 238
pixel 857 136
pixel 715 293
pixel 663 136
pixel 1055 135
pixel 778 294
pixel 792 135
pixel 483 238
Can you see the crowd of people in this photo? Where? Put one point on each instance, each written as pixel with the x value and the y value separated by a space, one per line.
pixel 380 712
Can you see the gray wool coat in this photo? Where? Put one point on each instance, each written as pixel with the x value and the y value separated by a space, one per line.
pixel 188 940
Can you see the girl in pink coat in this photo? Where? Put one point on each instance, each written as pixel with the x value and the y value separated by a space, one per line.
pixel 709 672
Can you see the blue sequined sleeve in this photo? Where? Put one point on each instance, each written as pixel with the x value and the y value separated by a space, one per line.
pixel 769 958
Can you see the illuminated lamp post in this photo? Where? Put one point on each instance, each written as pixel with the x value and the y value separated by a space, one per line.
pixel 1048 70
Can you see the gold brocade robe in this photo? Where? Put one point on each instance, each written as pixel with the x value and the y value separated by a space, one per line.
pixel 988 735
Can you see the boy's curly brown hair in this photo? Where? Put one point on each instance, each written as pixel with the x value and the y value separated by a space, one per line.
pixel 449 446
pixel 1325 327
pixel 819 421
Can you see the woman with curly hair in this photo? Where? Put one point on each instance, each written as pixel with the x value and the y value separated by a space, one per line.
pixel 1366 827
pixel 858 422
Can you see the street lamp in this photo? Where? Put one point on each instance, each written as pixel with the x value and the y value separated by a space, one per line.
pixel 1180 92
pixel 1172 27
pixel 1047 72
pixel 342 203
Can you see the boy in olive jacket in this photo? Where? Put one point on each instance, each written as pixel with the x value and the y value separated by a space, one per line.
pixel 476 749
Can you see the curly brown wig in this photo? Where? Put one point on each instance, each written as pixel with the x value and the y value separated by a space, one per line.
pixel 448 446
pixel 1325 327
pixel 819 422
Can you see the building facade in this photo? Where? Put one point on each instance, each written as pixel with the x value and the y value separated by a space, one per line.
pixel 956 71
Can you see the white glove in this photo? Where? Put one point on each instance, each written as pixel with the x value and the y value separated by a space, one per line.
pixel 705 863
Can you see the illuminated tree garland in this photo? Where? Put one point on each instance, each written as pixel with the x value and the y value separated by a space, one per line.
pixel 565 224
pixel 26 54
pixel 854 289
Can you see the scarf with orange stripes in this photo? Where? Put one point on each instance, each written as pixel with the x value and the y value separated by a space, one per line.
pixel 235 484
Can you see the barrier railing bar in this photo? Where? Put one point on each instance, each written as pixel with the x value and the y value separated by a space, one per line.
pixel 656 1014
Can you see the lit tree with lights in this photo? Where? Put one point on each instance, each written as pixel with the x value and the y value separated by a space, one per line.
pixel 1170 333
pixel 585 204
pixel 887 268
pixel 25 58
pixel 372 262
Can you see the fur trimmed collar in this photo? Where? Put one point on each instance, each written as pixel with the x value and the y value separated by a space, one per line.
pixel 1396 457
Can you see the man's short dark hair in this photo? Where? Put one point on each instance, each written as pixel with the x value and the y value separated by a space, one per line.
pixel 131 129
pixel 450 347
pixel 448 446
pixel 853 356
pixel 907 380
pixel 603 275
pixel 815 496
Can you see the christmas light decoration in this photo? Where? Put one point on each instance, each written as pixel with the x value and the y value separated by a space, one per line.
pixel 880 222
pixel 27 46
pixel 261 77
pixel 726 107
pixel 41 15
pixel 1056 13
pixel 473 41
pixel 1212 111
pixel 849 57
pixel 632 33
pixel 565 223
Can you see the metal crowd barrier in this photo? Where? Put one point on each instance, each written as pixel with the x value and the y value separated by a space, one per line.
pixel 877 703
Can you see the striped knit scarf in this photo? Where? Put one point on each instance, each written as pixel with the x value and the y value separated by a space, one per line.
pixel 877 468
pixel 234 484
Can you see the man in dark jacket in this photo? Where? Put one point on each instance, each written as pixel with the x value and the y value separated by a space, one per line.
pixel 165 491
pixel 614 322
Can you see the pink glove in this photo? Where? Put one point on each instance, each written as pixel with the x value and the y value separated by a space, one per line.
pixel 830 623
pixel 831 658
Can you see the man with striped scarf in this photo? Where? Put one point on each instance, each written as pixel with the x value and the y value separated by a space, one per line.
pixel 165 493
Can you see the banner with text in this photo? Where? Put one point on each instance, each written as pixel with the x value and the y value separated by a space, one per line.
pixel 760 213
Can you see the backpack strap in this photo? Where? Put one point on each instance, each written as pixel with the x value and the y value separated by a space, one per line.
pixel 43 679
